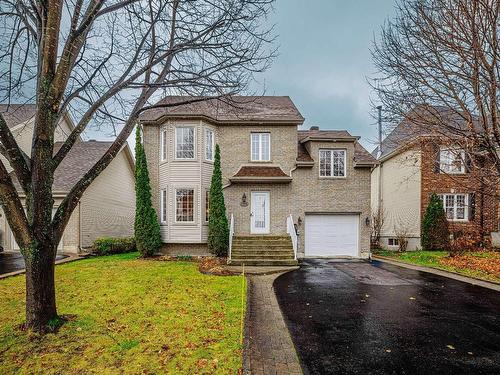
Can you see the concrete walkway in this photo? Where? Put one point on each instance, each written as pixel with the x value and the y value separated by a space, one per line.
pixel 268 347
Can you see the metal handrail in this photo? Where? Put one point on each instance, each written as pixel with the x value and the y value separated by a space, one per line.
pixel 290 229
pixel 231 234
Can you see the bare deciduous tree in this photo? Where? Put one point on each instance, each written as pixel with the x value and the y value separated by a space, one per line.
pixel 106 61
pixel 441 59
pixel 377 222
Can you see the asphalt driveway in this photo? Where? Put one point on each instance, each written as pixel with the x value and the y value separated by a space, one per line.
pixel 12 261
pixel 362 318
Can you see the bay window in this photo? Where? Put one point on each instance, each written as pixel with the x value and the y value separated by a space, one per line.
pixel 209 144
pixel 184 205
pixel 184 143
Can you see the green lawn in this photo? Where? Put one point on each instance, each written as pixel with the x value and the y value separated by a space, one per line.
pixel 481 264
pixel 132 317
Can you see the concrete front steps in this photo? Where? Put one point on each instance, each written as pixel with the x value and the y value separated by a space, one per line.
pixel 262 251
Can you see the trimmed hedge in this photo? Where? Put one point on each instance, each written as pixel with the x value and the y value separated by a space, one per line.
pixel 111 245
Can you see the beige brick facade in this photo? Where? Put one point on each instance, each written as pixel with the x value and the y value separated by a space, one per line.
pixel 307 193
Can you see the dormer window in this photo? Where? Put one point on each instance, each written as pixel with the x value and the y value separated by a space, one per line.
pixel 261 146
pixel 452 160
pixel 332 163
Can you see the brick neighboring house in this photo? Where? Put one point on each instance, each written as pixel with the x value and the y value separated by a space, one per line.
pixel 413 164
pixel 275 177
pixel 107 207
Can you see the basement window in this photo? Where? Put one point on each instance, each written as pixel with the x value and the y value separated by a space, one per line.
pixel 393 242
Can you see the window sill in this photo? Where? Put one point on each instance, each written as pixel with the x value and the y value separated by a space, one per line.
pixel 185 223
pixel 332 177
pixel 185 160
pixel 453 173
pixel 261 161
pixel 464 221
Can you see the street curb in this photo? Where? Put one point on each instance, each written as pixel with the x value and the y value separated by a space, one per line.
pixel 452 275
pixel 70 258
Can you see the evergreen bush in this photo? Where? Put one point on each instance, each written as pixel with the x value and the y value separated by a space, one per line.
pixel 435 232
pixel 218 228
pixel 146 227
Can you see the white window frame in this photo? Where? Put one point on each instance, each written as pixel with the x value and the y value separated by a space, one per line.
pixel 455 206
pixel 207 203
pixel 331 151
pixel 163 144
pixel 260 157
pixel 163 206
pixel 395 242
pixel 194 142
pixel 194 206
pixel 446 153
pixel 211 144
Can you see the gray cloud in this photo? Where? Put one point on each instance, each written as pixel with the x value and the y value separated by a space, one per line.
pixel 324 60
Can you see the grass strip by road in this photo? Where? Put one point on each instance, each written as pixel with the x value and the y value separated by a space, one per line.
pixel 483 265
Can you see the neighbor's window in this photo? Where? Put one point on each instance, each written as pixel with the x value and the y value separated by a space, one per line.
pixel 164 144
pixel 452 160
pixel 261 146
pixel 184 143
pixel 393 242
pixel 209 144
pixel 163 206
pixel 207 205
pixel 332 163
pixel 455 206
pixel 184 205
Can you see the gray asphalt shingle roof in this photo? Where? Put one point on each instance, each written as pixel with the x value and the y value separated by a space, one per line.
pixel 15 114
pixel 79 160
pixel 238 109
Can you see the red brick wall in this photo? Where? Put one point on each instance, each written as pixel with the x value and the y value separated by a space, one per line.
pixel 486 206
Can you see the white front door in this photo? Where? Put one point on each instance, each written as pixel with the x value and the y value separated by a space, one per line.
pixel 259 221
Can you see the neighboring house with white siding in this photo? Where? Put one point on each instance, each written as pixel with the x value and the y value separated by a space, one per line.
pixel 415 162
pixel 106 209
pixel 278 181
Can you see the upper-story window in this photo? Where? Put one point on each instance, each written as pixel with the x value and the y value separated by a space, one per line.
pixel 456 206
pixel 452 160
pixel 332 163
pixel 261 146
pixel 163 139
pixel 209 144
pixel 184 143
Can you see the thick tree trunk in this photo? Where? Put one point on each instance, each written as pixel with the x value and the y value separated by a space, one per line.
pixel 40 287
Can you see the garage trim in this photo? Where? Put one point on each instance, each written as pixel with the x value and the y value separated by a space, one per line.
pixel 357 248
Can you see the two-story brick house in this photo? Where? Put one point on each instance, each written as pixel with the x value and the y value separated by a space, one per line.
pixel 415 162
pixel 275 177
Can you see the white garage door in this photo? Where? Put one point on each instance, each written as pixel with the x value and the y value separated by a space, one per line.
pixel 331 235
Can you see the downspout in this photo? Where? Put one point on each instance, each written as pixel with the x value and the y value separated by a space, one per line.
pixel 379 154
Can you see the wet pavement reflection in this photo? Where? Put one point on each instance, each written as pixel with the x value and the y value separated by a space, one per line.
pixel 375 318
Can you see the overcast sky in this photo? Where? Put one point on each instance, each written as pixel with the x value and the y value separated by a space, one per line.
pixel 324 61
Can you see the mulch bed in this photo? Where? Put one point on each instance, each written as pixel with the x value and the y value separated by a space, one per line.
pixel 490 265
